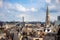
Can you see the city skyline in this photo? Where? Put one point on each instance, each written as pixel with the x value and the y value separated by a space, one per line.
pixel 32 10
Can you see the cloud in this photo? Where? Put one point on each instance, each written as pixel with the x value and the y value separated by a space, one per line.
pixel 52 7
pixel 48 1
pixel 57 1
pixel 2 16
pixel 53 16
pixel 24 9
pixel 21 15
pixel 19 7
pixel 1 3
pixel 33 9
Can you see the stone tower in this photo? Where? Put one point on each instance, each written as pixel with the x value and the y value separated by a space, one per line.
pixel 47 18
pixel 23 22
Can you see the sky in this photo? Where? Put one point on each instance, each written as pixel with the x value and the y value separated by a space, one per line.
pixel 32 10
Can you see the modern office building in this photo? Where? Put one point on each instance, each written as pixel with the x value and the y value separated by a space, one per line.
pixel 58 21
pixel 59 18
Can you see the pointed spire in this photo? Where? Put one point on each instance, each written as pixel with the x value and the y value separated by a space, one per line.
pixel 47 17
pixel 47 11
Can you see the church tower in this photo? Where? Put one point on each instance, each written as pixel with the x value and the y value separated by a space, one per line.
pixel 47 18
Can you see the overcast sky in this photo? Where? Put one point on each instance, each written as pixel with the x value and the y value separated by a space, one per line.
pixel 32 10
